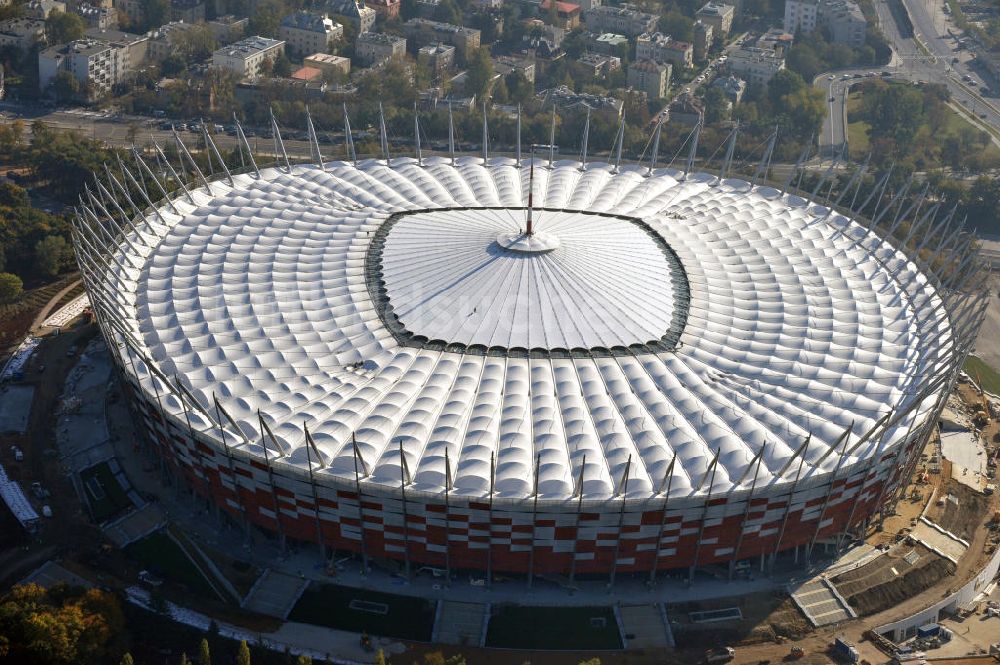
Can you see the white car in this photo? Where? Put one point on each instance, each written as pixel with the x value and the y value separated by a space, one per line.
pixel 830 77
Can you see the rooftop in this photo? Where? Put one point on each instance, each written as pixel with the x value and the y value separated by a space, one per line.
pixel 249 45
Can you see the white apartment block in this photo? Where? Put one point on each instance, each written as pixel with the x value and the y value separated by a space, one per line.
pixel 756 66
pixel 21 33
pixel 305 32
pixel 843 19
pixel 95 64
pixel 245 57
pixel 651 77
pixel 659 47
pixel 624 20
pixel 374 47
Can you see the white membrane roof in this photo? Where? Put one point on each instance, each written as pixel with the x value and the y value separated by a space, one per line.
pixel 602 281
pixel 263 294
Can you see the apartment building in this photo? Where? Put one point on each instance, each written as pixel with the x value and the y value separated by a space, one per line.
pixel 374 47
pixel 439 58
pixel 95 64
pixel 703 36
pixel 421 32
pixel 21 33
pixel 354 12
pixel 842 19
pixel 756 66
pixel 228 29
pixel 305 32
pixel 662 48
pixel 625 20
pixel 328 64
pixel 102 18
pixel 245 57
pixel 650 77
pixel 719 15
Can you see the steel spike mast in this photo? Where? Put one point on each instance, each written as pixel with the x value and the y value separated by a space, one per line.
pixel 531 190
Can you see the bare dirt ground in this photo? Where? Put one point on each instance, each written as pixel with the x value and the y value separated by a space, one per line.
pixel 901 573
pixel 766 616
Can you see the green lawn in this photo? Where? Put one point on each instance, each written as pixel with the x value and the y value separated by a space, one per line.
pixel 857 130
pixel 576 628
pixel 163 557
pixel 981 372
pixel 360 610
pixel 106 497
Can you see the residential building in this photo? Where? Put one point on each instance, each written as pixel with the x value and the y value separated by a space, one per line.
pixel 607 42
pixel 245 57
pixel 189 11
pixel 354 12
pixel 421 32
pixel 95 64
pixel 650 77
pixel 568 101
pixel 133 48
pixel 537 27
pixel 732 87
pixel 42 8
pixel 756 66
pixel 488 4
pixel 567 14
pixel 433 98
pixel 437 57
pixel 305 32
pixel 596 65
pixel 102 18
pixel 662 48
pixel 624 20
pixel 686 109
pixel 842 19
pixel 703 36
pixel 163 41
pixel 776 40
pixel 506 65
pixel 387 8
pixel 426 8
pixel 228 29
pixel 374 47
pixel 330 65
pixel 131 8
pixel 21 33
pixel 589 4
pixel 719 15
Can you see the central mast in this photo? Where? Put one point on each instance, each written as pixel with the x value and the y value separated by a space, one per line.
pixel 531 190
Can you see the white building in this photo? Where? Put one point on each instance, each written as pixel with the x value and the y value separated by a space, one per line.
pixel 355 11
pixel 719 15
pixel 245 57
pixel 659 47
pixel 843 19
pixel 95 64
pixel 21 33
pixel 756 66
pixel 305 32
pixel 625 20
pixel 374 47
pixel 651 77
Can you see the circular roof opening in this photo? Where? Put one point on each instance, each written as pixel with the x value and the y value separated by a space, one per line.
pixel 474 277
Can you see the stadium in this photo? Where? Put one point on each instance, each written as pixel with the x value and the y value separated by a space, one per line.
pixel 529 366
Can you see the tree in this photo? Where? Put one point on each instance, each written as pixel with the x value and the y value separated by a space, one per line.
pixel 716 105
pixel 184 659
pixel 785 82
pixel 10 287
pixel 64 86
pixel 126 659
pixel 154 13
pixel 282 66
pixel 62 27
pixel 50 255
pixel 479 72
pixel 304 660
pixel 677 25
pixel 204 655
pixel 243 654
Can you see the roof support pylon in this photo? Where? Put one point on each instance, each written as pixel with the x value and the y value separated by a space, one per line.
pixel 576 527
pixel 693 152
pixel 712 468
pixel 668 481
pixel 416 135
pixel 358 464
pixel 586 139
pixel 486 136
pixel 534 522
pixel 552 137
pixel 798 167
pixel 245 145
pixel 315 494
pixel 314 140
pixel 214 150
pixel 746 509
pixel 349 138
pixel 451 135
pixel 383 135
pixel 518 136
pixel 765 159
pixel 143 166
pixel 173 173
pixel 185 153
pixel 621 521
pixel 279 144
pixel 619 143
pixel 656 146
pixel 730 151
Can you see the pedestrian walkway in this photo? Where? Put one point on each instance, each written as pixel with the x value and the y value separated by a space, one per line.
pixel 135 525
pixel 820 604
pixel 275 593
pixel 937 539
pixel 643 627
pixel 461 623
